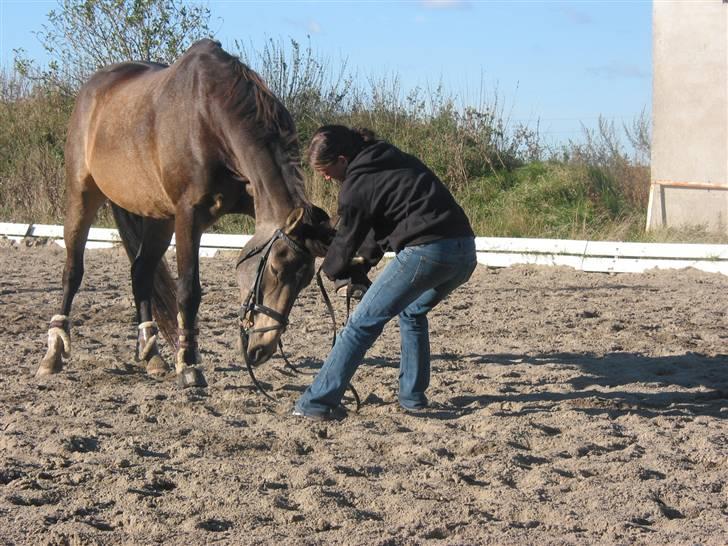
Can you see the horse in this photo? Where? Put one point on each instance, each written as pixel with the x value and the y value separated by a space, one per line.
pixel 174 148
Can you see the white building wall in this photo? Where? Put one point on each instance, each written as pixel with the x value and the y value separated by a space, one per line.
pixel 690 115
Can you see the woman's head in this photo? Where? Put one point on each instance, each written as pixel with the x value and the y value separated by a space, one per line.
pixel 332 148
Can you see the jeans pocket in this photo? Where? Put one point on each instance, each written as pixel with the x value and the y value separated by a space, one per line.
pixel 404 259
pixel 431 273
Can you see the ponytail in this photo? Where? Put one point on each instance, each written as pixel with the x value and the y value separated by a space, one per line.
pixel 367 135
pixel 332 141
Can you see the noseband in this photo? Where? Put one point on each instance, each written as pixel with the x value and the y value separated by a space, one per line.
pixel 254 301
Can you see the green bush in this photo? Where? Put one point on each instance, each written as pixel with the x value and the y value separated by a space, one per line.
pixel 548 199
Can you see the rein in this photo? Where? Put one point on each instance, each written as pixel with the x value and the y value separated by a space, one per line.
pixel 252 304
pixel 330 308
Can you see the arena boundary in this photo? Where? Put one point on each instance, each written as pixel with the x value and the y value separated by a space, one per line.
pixel 593 256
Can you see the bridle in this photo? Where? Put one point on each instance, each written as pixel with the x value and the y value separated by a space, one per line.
pixel 253 304
pixel 254 301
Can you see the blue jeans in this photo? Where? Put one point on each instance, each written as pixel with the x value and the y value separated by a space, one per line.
pixel 414 282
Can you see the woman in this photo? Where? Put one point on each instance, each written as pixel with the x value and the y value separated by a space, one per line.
pixel 393 199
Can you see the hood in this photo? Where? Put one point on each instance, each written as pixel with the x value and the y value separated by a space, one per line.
pixel 376 157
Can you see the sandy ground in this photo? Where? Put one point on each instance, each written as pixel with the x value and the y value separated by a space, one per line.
pixel 568 408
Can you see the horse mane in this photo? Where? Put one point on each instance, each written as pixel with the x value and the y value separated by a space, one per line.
pixel 244 96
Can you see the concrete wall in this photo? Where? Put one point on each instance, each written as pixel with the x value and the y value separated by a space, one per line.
pixel 690 115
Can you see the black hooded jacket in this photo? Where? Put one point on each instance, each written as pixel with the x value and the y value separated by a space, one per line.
pixel 393 198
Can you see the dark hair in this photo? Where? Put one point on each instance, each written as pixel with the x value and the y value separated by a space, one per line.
pixel 331 141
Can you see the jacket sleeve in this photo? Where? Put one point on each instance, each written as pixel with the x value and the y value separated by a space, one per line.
pixel 353 228
pixel 370 250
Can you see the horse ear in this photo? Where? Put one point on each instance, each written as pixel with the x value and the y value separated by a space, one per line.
pixel 293 220
pixel 318 231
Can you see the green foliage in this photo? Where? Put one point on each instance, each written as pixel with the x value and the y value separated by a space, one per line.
pixel 627 174
pixel 82 36
pixel 547 199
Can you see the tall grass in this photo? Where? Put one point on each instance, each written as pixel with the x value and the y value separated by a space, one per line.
pixel 32 135
pixel 508 181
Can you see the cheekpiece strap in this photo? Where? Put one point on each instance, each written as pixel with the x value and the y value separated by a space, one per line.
pixel 295 245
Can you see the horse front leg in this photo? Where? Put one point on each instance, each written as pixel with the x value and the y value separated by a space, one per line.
pixel 83 199
pixel 189 294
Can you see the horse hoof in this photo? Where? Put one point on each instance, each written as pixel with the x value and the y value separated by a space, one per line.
pixel 191 377
pixel 157 367
pixel 51 364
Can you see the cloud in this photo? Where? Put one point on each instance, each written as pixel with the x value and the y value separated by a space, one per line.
pixel 576 16
pixel 445 4
pixel 311 26
pixel 314 27
pixel 616 70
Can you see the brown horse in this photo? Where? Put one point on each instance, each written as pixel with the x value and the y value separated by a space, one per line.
pixel 173 148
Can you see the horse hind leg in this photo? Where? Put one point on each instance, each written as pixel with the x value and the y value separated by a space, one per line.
pixel 156 237
pixel 83 199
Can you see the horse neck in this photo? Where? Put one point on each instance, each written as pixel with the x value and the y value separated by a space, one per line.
pixel 276 188
pixel 273 204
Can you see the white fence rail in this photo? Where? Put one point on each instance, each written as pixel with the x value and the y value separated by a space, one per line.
pixel 106 238
pixel 601 256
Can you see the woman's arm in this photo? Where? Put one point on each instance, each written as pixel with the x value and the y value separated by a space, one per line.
pixel 354 225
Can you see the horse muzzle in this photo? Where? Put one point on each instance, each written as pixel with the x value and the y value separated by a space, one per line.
pixel 259 355
pixel 258 344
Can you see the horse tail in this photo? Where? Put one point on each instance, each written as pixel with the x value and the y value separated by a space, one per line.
pixel 164 295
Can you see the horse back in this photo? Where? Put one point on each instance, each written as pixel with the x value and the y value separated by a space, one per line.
pixel 140 130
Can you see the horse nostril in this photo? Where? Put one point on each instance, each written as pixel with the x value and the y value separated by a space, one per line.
pixel 258 356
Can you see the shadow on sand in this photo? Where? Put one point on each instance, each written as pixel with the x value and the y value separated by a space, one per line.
pixel 615 383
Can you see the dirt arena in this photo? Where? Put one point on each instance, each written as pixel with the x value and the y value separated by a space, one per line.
pixel 568 408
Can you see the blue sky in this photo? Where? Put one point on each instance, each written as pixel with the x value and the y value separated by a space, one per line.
pixel 563 63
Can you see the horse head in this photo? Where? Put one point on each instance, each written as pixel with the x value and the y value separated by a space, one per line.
pixel 272 272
